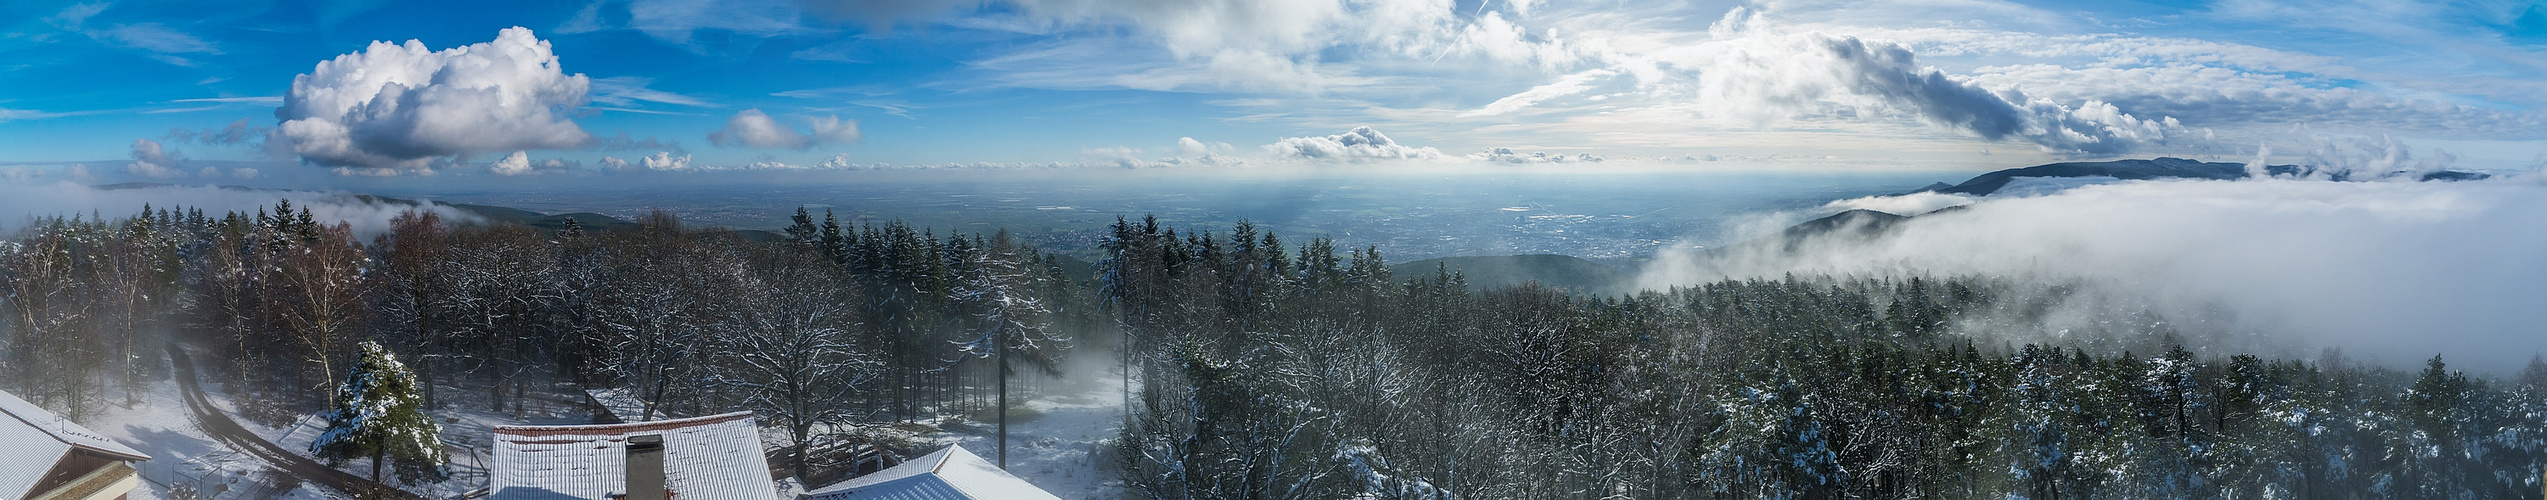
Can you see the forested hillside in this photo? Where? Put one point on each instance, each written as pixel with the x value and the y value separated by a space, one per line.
pixel 839 325
pixel 1261 368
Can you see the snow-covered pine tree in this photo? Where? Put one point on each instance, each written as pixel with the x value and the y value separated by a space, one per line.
pixel 380 415
pixel 1000 289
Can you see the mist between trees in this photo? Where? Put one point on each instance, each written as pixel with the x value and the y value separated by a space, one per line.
pixel 1265 375
pixel 1258 370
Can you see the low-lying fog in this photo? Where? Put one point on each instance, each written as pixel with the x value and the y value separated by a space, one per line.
pixel 2388 271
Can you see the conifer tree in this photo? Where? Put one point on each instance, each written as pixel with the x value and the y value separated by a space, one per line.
pixel 834 245
pixel 802 231
pixel 379 414
pixel 1000 291
pixel 2536 375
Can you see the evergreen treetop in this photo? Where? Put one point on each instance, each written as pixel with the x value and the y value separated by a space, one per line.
pixel 379 414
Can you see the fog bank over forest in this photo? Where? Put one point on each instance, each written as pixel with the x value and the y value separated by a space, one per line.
pixel 21 201
pixel 2388 271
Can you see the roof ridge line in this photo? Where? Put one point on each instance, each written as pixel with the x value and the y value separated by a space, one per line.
pixel 620 428
pixel 49 432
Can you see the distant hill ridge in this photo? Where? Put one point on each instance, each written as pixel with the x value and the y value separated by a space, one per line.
pixel 510 215
pixel 1869 223
pixel 2160 168
pixel 1501 271
pixel 556 222
pixel 1576 274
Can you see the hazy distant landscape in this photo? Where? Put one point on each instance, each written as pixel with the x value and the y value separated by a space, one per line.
pixel 1273 249
pixel 1619 218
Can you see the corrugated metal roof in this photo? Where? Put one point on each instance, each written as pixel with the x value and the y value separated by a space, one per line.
pixel 714 457
pixel 948 474
pixel 64 429
pixel 30 453
pixel 32 440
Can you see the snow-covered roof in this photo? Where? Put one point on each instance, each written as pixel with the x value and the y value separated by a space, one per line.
pixel 949 474
pixel 711 457
pixel 35 440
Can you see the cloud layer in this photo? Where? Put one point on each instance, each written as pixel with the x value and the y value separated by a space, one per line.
pixel 2397 271
pixel 1749 71
pixel 20 201
pixel 404 106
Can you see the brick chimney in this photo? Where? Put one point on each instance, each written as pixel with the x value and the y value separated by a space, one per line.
pixel 645 467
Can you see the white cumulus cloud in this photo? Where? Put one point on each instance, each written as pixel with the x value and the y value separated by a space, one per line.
pixel 517 163
pixel 403 106
pixel 752 128
pixel 1359 144
pixel 1759 72
pixel 663 161
pixel 150 160
pixel 660 161
pixel 1190 146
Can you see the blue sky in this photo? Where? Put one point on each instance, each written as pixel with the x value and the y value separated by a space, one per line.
pixel 190 91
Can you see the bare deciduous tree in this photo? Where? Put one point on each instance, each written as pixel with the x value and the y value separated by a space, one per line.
pixel 792 344
pixel 320 290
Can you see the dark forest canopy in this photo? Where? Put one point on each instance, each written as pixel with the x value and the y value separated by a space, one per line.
pixel 1261 367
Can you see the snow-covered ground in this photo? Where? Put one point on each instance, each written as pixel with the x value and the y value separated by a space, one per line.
pixel 1055 441
pixel 1056 444
pixel 467 425
pixel 185 457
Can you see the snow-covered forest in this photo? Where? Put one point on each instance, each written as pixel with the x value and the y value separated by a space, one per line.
pixel 848 326
pixel 1259 368
pixel 1271 374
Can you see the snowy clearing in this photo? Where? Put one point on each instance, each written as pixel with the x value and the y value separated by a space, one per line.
pixel 1054 441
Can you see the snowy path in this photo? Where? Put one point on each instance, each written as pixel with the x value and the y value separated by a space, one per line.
pixel 183 457
pixel 221 428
